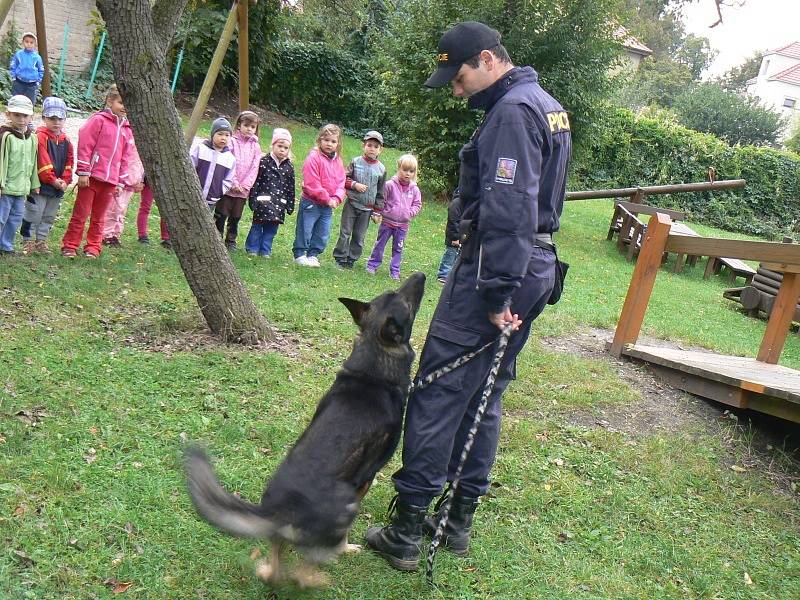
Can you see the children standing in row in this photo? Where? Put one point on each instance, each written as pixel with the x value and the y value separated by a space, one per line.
pixel 272 195
pixel 214 162
pixel 26 69
pixel 55 158
pixel 323 190
pixel 105 145
pixel 115 217
pixel 247 151
pixel 18 168
pixel 366 177
pixel 402 203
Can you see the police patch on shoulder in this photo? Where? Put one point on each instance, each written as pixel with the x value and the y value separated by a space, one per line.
pixel 506 170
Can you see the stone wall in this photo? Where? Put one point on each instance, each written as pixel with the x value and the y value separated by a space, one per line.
pixel 57 13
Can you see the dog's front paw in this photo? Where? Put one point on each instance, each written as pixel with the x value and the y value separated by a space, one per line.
pixel 352 548
pixel 307 576
pixel 265 572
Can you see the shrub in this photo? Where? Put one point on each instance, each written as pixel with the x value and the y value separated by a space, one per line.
pixel 626 150
pixel 317 82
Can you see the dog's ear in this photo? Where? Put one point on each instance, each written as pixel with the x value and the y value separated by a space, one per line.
pixel 393 331
pixel 357 308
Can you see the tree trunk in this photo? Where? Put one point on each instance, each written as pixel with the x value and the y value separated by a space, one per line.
pixel 140 37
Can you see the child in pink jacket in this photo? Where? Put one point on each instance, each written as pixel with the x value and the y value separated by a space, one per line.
pixel 115 217
pixel 105 143
pixel 323 190
pixel 402 202
pixel 246 149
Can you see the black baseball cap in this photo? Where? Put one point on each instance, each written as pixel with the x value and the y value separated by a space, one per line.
pixel 458 44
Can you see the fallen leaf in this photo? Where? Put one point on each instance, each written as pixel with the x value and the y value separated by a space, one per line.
pixel 118 587
pixel 738 469
pixel 255 553
pixel 93 430
pixel 90 456
pixel 25 560
pixel 747 580
pixel 19 511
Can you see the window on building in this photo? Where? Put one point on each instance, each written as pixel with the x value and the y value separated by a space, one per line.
pixel 789 102
pixel 764 67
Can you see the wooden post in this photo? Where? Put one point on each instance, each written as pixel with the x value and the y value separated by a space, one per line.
pixel 211 76
pixel 781 317
pixel 41 34
pixel 642 281
pixel 244 57
pixel 638 197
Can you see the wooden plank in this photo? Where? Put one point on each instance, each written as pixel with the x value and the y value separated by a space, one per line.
pixel 645 209
pixel 738 371
pixel 787 255
pixel 783 310
pixel 642 281
pixel 678 188
pixel 700 386
pixel 783 267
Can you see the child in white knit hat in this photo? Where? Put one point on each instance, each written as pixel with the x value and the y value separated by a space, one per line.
pixel 272 195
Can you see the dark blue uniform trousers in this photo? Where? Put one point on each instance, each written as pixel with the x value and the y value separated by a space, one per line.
pixel 439 416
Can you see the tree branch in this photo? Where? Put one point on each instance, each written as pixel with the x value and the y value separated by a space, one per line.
pixel 166 16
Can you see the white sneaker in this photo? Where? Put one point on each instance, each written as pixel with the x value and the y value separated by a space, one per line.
pixel 312 261
pixel 301 260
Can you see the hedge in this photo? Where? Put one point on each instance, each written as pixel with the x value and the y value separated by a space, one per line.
pixel 628 150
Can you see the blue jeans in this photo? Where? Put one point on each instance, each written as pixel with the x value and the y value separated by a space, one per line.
pixel 313 228
pixel 259 240
pixel 25 88
pixel 11 210
pixel 451 254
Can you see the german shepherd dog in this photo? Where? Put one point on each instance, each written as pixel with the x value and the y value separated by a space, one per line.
pixel 313 497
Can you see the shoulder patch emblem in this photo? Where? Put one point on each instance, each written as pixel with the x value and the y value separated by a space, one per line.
pixel 506 170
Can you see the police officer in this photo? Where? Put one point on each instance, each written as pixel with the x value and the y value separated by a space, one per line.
pixel 512 182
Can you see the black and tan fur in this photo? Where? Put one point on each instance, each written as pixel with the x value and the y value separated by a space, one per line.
pixel 312 499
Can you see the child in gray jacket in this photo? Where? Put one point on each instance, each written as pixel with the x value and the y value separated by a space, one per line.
pixel 366 176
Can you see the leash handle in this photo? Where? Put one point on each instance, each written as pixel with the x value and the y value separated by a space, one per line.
pixel 502 342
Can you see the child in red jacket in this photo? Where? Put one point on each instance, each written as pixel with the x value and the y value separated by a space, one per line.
pixel 104 149
pixel 55 174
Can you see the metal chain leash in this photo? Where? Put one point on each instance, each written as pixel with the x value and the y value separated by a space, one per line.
pixel 502 342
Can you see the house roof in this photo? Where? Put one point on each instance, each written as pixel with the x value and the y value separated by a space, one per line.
pixel 791 50
pixel 790 75
pixel 631 43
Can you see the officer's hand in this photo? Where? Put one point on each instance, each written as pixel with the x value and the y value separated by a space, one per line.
pixel 500 320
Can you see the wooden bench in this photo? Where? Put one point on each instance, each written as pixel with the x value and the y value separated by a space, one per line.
pixel 621 209
pixel 735 267
pixel 759 295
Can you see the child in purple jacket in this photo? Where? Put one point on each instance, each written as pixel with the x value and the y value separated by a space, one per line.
pixel 402 202
pixel 246 149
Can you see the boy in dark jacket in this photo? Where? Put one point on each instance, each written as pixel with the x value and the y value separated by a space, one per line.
pixel 452 238
pixel 55 173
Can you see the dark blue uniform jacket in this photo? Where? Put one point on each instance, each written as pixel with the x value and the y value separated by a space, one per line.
pixel 513 178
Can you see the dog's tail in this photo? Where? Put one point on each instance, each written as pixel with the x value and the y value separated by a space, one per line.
pixel 223 510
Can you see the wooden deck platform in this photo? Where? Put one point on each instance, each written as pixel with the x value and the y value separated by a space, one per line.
pixel 734 380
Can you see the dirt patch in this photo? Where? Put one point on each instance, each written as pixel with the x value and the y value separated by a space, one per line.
pixel 226 106
pixel 662 409
pixel 753 441
pixel 136 327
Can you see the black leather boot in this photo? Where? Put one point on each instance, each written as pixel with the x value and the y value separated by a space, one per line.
pixel 459 523
pixel 399 543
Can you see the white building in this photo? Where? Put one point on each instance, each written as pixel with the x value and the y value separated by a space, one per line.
pixel 634 51
pixel 778 82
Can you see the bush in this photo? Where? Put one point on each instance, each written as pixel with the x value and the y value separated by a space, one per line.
pixel 626 150
pixel 317 82
pixel 734 118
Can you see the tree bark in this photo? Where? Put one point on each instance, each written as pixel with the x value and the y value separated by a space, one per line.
pixel 139 47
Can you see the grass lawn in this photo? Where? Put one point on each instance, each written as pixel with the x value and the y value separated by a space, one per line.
pixel 103 375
